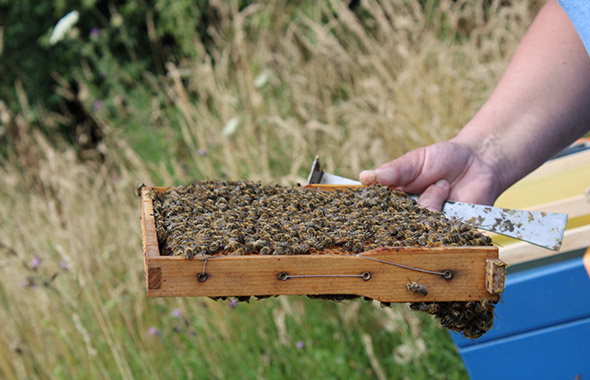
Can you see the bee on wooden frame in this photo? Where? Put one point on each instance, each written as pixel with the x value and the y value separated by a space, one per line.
pixel 189 253
pixel 416 287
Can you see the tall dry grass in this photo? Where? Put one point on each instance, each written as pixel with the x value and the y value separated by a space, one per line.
pixel 356 92
pixel 281 84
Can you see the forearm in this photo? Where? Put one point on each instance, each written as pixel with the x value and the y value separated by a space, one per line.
pixel 541 104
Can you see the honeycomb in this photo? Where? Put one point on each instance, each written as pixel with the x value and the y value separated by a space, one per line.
pixel 249 218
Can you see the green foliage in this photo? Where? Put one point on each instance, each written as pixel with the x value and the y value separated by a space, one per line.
pixel 23 22
pixel 110 45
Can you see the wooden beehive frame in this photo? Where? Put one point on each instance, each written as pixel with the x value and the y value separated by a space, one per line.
pixel 448 273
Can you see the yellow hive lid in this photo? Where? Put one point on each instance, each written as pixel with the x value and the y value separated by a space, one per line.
pixel 560 185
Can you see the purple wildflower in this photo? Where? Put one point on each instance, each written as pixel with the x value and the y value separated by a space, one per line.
pixel 97 105
pixel 94 32
pixel 29 283
pixel 233 303
pixel 35 262
pixel 300 344
pixel 154 331
pixel 201 152
pixel 63 265
pixel 176 313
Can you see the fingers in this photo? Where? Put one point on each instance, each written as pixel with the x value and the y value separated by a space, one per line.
pixel 368 177
pixel 402 170
pixel 398 172
pixel 431 170
pixel 434 196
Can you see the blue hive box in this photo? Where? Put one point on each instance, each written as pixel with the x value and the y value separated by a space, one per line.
pixel 542 324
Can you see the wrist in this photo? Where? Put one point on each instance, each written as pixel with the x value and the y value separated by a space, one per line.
pixel 489 153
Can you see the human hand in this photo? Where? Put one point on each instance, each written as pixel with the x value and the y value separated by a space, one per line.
pixel 539 107
pixel 445 170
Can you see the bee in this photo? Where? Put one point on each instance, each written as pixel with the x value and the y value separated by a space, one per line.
pixel 161 232
pixel 357 246
pixel 189 253
pixel 279 250
pixel 487 305
pixel 469 314
pixel 416 287
pixel 433 243
pixel 485 323
pixel 250 243
pixel 317 244
pixel 430 308
pixel 361 204
pixel 481 241
pixel 138 189
pixel 418 306
pixel 471 333
pixel 396 243
pixel 327 241
pixel 338 240
pixel 215 246
pixel 290 248
pixel 232 245
pixel 301 249
pixel 238 252
pixel 457 310
pixel 452 323
pixel 260 243
pixel 347 244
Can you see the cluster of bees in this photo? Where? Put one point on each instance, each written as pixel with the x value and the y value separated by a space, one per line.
pixel 472 319
pixel 241 217
pixel 244 218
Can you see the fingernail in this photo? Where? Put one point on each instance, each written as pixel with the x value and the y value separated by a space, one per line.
pixel 368 177
pixel 426 204
pixel 442 183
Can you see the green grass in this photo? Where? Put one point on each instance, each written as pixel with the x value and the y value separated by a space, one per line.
pixel 300 80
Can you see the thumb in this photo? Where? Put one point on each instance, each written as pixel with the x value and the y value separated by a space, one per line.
pixel 403 170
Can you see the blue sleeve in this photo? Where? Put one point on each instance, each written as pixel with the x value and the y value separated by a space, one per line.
pixel 579 13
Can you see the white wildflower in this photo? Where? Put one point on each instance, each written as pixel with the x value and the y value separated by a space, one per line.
pixel 63 26
pixel 230 127
pixel 261 79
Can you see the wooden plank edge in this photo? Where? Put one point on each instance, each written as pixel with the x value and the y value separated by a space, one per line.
pixel 260 275
pixel 149 239
pixel 495 276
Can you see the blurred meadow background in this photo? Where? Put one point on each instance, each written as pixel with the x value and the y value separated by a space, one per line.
pixel 167 92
